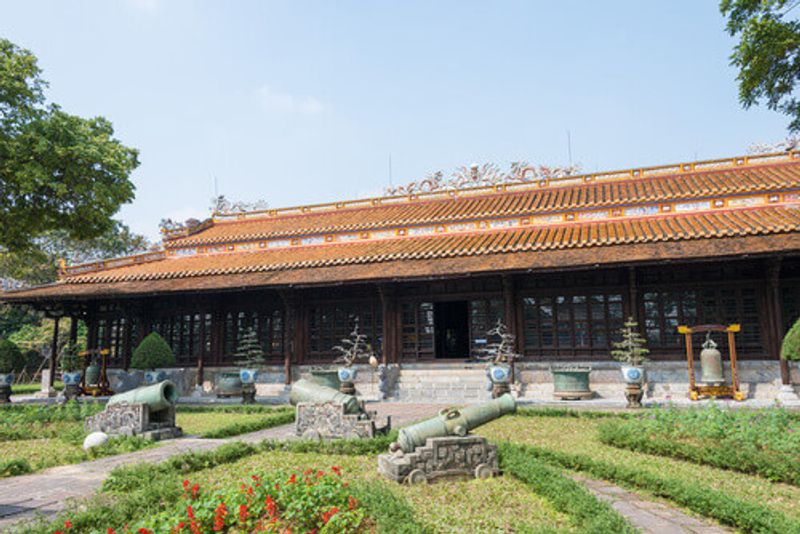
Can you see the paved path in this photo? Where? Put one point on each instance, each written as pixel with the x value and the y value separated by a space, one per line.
pixel 46 493
pixel 649 516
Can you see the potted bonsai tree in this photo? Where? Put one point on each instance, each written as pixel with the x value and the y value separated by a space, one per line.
pixel 631 351
pixel 249 356
pixel 500 355
pixel 151 354
pixel 352 349
pixel 790 349
pixel 11 359
pixel 70 370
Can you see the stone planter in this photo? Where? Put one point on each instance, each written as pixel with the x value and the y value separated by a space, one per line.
pixel 326 377
pixel 571 382
pixel 6 380
pixel 154 377
pixel 633 374
pixel 500 375
pixel 72 383
pixel 228 385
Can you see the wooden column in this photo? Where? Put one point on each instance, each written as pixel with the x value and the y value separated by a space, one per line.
pixel 73 329
pixel 293 332
pixel 54 351
pixel 774 335
pixel 633 294
pixel 512 319
pixel 388 297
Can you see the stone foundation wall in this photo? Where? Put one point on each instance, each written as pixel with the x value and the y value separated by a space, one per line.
pixel 462 382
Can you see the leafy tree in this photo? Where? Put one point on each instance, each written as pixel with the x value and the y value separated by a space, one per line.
pixel 57 171
pixel 153 352
pixel 11 358
pixel 248 351
pixel 790 350
pixel 768 53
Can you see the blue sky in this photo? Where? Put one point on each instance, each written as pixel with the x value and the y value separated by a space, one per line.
pixel 297 102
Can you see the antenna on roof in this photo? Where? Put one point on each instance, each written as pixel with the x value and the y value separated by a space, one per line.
pixel 569 148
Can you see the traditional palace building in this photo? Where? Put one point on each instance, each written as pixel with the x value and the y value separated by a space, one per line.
pixel 562 261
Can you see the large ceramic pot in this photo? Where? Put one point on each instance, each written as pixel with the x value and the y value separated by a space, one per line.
pixel 6 379
pixel 500 373
pixel 228 385
pixel 71 378
pixel 633 374
pixel 346 374
pixel 248 376
pixel 326 377
pixel 571 382
pixel 154 377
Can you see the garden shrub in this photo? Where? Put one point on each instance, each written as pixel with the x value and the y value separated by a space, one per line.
pixel 566 495
pixel 11 358
pixel 152 353
pixel 704 500
pixel 763 442
pixel 280 417
pixel 232 408
pixel 346 447
pixel 790 349
pixel 389 512
pixel 25 421
pixel 12 468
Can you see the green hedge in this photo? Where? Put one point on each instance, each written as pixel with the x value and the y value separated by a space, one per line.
pixel 706 501
pixel 567 496
pixel 231 408
pixel 733 455
pixel 280 417
pixel 390 512
pixel 347 447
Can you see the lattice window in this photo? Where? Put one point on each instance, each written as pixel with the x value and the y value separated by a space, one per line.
pixel 268 324
pixel 483 316
pixel 417 330
pixel 329 323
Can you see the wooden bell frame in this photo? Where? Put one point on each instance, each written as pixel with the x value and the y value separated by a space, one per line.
pixel 726 390
pixel 103 387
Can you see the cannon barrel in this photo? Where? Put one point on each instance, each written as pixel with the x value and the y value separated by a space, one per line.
pixel 307 391
pixel 455 422
pixel 157 396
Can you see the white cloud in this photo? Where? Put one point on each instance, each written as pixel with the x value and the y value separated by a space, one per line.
pixel 273 101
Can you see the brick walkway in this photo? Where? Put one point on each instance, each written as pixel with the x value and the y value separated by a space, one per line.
pixel 48 492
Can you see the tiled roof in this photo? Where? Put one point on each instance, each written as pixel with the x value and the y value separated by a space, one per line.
pixel 739 198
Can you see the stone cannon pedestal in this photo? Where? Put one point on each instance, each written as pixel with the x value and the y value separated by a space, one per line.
pixel 442 457
pixel 329 420
pixel 135 419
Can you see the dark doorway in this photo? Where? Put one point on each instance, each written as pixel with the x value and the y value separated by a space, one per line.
pixel 451 325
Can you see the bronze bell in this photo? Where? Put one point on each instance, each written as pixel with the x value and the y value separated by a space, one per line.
pixel 711 363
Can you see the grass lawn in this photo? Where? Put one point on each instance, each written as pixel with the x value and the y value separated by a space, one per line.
pixel 27 389
pixel 580 436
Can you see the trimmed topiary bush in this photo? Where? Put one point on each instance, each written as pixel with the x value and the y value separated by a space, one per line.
pixel 790 350
pixel 11 358
pixel 153 352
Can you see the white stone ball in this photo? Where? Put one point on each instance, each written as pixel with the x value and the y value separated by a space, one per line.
pixel 95 439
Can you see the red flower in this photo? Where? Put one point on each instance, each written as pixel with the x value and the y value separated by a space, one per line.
pixel 272 508
pixel 58 532
pixel 219 516
pixel 329 514
pixel 242 512
pixel 320 474
pixel 144 531
pixel 351 502
pixel 110 530
pixel 67 524
pixel 195 489
pixel 292 479
pixel 186 485
pixel 336 470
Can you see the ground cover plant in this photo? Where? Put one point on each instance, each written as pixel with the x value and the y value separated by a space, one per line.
pixel 746 502
pixel 35 437
pixel 28 389
pixel 223 422
pixel 764 442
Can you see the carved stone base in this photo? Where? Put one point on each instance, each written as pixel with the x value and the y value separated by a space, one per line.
pixel 249 394
pixel 634 394
pixel 348 388
pixel 134 420
pixel 499 389
pixel 329 420
pixel 442 458
pixel 5 394
pixel 72 391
